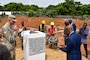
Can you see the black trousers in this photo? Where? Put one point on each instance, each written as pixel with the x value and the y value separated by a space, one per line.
pixel 86 50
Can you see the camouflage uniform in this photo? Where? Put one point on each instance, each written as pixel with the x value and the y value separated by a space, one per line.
pixel 9 37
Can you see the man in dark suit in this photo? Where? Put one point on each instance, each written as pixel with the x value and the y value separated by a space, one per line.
pixel 73 43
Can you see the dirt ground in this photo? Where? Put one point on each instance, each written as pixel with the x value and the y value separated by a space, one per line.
pixel 35 22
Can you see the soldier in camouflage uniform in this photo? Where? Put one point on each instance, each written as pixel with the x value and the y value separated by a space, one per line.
pixel 9 35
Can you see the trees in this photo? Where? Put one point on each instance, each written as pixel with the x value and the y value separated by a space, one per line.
pixel 13 7
pixel 69 7
pixel 61 9
pixel 31 13
pixel 1 8
pixel 34 7
pixel 51 11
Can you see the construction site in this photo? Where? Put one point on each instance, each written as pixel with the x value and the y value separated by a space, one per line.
pixel 34 22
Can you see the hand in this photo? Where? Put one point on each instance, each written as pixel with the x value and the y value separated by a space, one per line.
pixel 15 28
pixel 20 30
pixel 62 46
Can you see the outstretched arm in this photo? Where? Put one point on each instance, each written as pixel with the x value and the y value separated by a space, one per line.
pixel 68 46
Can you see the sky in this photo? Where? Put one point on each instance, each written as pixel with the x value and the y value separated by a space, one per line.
pixel 40 3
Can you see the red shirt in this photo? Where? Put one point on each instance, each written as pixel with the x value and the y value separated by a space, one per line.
pixel 51 31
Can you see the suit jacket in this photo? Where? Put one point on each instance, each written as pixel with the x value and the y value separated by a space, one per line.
pixel 73 47
pixel 74 26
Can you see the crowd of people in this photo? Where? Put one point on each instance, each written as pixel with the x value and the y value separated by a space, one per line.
pixel 72 38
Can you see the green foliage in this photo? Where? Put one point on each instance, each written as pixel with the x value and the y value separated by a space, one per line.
pixel 31 13
pixel 61 10
pixel 1 8
pixel 50 13
pixel 34 7
pixel 14 7
pixel 69 7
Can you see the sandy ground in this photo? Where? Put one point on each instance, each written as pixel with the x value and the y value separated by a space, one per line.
pixel 56 55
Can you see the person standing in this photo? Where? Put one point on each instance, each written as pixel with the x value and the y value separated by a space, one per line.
pixel 65 35
pixel 22 23
pixel 72 24
pixel 42 27
pixel 51 29
pixel 9 34
pixel 22 28
pixel 84 31
pixel 73 44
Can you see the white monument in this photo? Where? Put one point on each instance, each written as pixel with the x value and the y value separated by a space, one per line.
pixel 34 45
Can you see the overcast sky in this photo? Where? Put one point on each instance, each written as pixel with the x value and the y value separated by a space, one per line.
pixel 40 3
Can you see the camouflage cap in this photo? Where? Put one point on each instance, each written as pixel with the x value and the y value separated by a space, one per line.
pixel 12 17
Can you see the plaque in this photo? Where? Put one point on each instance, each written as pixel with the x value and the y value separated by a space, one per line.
pixel 36 45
